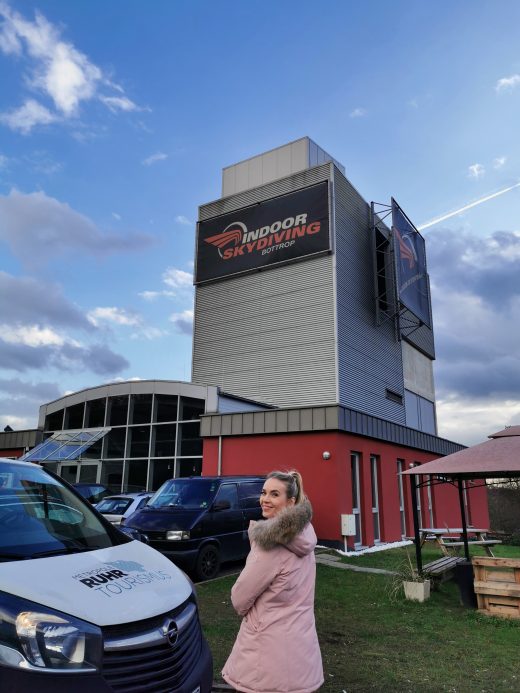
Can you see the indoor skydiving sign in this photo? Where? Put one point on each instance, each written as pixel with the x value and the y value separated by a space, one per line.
pixel 279 230
pixel 410 258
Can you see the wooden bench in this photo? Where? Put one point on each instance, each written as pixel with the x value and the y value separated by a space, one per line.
pixel 442 568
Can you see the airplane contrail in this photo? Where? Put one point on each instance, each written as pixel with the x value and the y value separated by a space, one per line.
pixel 469 206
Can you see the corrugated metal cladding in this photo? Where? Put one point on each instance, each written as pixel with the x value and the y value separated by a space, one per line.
pixel 265 192
pixel 269 336
pixel 421 337
pixel 20 439
pixel 336 418
pixel 369 356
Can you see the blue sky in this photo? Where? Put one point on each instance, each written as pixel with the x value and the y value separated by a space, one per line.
pixel 117 118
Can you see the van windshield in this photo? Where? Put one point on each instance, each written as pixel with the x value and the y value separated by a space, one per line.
pixel 39 516
pixel 188 494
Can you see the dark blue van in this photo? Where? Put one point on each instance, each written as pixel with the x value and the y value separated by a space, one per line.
pixel 201 522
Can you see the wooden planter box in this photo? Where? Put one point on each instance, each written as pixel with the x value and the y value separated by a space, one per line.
pixel 497 586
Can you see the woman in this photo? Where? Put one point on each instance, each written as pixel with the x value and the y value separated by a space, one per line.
pixel 277 648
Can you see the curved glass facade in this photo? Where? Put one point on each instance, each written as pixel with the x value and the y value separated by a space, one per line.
pixel 153 435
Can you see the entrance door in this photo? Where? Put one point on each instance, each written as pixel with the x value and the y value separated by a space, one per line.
pixel 88 472
pixel 69 472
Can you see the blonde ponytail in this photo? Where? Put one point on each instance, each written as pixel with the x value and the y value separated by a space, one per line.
pixel 293 484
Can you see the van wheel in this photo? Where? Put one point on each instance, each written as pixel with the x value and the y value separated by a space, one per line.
pixel 208 563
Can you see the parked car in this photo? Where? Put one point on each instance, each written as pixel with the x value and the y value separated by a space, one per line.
pixel 84 607
pixel 115 508
pixel 93 492
pixel 200 522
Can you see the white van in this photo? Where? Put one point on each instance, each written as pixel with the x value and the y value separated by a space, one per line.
pixel 84 608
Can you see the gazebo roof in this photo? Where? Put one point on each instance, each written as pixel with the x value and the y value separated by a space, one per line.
pixel 498 457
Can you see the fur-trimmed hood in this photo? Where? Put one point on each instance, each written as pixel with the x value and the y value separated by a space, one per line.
pixel 284 529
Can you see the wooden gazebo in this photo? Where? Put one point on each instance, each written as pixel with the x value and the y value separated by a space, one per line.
pixel 497 458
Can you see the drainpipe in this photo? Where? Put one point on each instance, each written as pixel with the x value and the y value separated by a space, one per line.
pixel 219 460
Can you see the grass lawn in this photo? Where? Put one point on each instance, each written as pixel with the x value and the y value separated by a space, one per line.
pixel 370 642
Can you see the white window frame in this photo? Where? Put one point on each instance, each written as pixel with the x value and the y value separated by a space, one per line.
pixel 355 458
pixel 374 479
pixel 400 469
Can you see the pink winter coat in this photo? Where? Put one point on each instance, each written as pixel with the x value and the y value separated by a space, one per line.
pixel 277 650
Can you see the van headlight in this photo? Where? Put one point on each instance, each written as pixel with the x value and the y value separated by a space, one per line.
pixel 177 535
pixel 33 636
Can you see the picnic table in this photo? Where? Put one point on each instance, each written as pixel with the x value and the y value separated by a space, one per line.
pixel 450 540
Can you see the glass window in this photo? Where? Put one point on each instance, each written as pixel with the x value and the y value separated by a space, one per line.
pixel 95 414
pixel 160 471
pixel 69 472
pixel 249 494
pixel 356 495
pixel 228 492
pixel 136 473
pixel 139 441
pixel 74 416
pixel 164 440
pixel 400 468
pixel 190 494
pixel 140 409
pixel 192 467
pixel 94 451
pixel 115 445
pixel 165 408
pixel 427 414
pixel 190 408
pixel 114 506
pixel 112 475
pixel 49 517
pixel 189 441
pixel 54 422
pixel 117 410
pixel 374 477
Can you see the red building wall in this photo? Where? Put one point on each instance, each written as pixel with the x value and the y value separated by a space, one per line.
pixel 11 452
pixel 328 482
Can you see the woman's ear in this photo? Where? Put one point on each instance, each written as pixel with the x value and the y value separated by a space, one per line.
pixel 291 501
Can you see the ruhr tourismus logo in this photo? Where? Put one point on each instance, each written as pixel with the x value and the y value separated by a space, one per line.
pixel 273 231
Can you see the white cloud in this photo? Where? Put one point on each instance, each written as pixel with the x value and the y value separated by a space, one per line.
pixel 117 316
pixel 116 216
pixel 177 278
pixel 507 83
pixel 31 335
pixel 27 116
pixel 183 321
pixel 17 423
pixel 413 103
pixel 476 171
pixel 119 103
pixel 60 72
pixel 152 295
pixel 4 162
pixel 181 219
pixel 499 161
pixel 358 113
pixel 154 158
pixel 470 421
pixel 149 333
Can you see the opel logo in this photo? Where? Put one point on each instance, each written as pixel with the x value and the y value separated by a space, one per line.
pixel 171 632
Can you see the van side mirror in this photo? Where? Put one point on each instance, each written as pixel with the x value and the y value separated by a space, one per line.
pixel 222 505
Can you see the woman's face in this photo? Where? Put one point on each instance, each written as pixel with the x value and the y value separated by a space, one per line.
pixel 274 498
